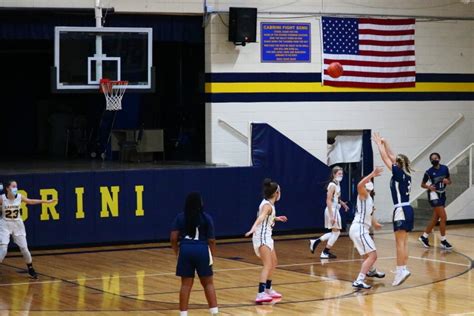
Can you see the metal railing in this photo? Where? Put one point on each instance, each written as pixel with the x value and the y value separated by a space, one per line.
pixel 234 131
pixel 466 152
pixel 434 140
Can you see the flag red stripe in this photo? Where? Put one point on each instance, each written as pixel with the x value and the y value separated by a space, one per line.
pixel 371 63
pixel 387 33
pixel 385 43
pixel 387 21
pixel 388 54
pixel 377 74
pixel 368 85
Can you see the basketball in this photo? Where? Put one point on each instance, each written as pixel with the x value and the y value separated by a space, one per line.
pixel 335 70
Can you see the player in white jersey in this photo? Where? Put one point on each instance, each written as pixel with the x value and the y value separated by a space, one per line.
pixel 263 242
pixel 359 231
pixel 332 217
pixel 11 223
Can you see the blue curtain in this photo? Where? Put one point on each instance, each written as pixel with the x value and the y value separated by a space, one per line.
pixel 39 25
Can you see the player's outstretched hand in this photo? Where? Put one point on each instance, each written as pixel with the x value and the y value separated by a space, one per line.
pixel 377 226
pixel 51 201
pixel 377 171
pixel 377 138
pixel 283 219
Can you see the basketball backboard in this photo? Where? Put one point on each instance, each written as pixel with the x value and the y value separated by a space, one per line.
pixel 84 55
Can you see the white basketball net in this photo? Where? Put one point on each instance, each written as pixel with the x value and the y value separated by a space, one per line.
pixel 113 92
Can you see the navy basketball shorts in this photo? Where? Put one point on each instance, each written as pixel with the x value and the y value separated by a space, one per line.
pixel 194 256
pixel 438 202
pixel 403 218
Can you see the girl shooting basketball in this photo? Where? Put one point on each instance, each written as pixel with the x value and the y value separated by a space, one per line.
pixel 194 229
pixel 400 186
pixel 332 218
pixel 359 232
pixel 11 223
pixel 263 242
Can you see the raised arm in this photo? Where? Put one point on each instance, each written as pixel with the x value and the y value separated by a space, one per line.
pixel 265 212
pixel 363 194
pixel 382 150
pixel 35 202
pixel 389 151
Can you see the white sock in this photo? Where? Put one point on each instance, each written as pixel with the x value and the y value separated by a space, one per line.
pixel 183 313
pixel 214 310
pixel 443 238
pixel 325 236
pixel 361 277
pixel 404 267
pixel 426 235
pixel 399 268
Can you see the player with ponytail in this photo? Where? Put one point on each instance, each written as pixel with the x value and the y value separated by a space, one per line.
pixel 403 216
pixel 263 245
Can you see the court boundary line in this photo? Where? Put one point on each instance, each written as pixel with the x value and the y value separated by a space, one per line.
pixel 198 306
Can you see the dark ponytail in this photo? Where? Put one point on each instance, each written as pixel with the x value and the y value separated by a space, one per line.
pixel 6 185
pixel 269 188
pixel 192 212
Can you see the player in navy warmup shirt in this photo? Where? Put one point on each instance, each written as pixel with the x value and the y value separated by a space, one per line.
pixel 435 181
pixel 194 230
pixel 403 217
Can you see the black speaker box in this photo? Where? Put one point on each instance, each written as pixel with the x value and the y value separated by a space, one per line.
pixel 242 25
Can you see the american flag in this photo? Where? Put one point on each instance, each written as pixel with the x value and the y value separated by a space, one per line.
pixel 374 53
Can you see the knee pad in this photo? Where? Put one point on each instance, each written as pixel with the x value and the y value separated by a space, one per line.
pixel 333 238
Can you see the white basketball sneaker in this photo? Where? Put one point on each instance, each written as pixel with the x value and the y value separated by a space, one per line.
pixel 263 298
pixel 273 293
pixel 361 285
pixel 400 277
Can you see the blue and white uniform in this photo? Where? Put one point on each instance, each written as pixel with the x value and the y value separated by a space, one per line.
pixel 336 206
pixel 194 253
pixel 359 231
pixel 263 233
pixel 400 187
pixel 435 176
pixel 11 222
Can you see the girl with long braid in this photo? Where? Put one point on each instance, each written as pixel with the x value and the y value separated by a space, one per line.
pixel 194 230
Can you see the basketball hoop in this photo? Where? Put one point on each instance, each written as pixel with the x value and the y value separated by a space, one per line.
pixel 113 92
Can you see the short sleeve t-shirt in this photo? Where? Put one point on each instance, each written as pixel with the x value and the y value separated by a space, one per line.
pixel 204 231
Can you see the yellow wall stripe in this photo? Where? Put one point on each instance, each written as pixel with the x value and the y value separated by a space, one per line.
pixel 311 87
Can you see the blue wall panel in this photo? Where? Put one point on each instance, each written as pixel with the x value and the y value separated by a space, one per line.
pixel 231 196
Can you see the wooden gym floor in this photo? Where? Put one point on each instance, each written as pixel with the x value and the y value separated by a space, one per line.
pixel 140 280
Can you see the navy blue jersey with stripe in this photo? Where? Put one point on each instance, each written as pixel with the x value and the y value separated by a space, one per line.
pixel 204 231
pixel 436 176
pixel 400 185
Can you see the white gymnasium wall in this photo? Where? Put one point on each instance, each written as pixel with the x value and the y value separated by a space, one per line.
pixel 441 47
